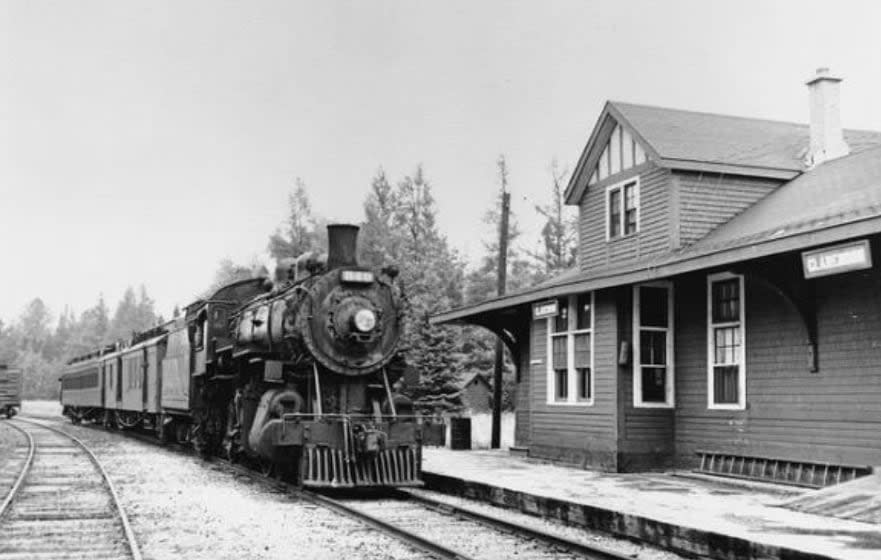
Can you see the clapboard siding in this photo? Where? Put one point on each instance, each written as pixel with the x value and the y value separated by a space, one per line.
pixel 708 200
pixel 832 415
pixel 581 434
pixel 654 233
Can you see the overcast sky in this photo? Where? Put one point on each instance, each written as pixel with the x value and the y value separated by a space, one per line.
pixel 142 142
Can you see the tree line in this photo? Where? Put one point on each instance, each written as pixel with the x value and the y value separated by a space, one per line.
pixel 399 227
pixel 32 344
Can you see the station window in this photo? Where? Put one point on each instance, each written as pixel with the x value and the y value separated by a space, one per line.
pixel 570 339
pixel 653 379
pixel 622 209
pixel 726 369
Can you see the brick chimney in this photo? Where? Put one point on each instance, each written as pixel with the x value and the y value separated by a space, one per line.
pixel 827 137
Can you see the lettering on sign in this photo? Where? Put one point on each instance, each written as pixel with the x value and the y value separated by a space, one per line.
pixel 837 259
pixel 545 309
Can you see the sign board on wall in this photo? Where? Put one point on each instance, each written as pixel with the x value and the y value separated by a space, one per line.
pixel 545 309
pixel 837 259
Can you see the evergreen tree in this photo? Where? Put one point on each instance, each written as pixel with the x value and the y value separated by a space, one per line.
pixel 481 283
pixel 65 329
pixel 91 331
pixel 8 345
pixel 401 227
pixel 379 246
pixel 560 232
pixel 302 231
pixel 126 316
pixel 33 326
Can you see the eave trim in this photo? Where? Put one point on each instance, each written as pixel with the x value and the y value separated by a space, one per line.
pixel 689 263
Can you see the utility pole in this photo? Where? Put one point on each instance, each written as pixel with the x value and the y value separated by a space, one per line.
pixel 502 278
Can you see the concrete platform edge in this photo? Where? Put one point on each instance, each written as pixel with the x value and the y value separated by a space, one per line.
pixel 683 540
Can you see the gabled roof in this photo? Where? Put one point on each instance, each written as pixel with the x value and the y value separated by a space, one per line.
pixel 833 202
pixel 680 139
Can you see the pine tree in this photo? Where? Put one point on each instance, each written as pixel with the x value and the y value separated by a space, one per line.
pixel 379 246
pixel 401 226
pixel 92 330
pixel 559 234
pixel 302 231
pixel 34 326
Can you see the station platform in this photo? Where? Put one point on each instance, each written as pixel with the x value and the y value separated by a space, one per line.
pixel 689 514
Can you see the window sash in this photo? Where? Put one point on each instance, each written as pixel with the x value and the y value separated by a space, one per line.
pixel 653 364
pixel 726 345
pixel 622 209
pixel 584 382
pixel 615 213
pixel 570 351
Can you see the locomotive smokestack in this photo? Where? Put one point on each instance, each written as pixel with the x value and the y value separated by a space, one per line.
pixel 342 245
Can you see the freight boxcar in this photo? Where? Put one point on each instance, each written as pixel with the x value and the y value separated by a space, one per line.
pixel 10 390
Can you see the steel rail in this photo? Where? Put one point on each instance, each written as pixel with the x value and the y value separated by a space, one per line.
pixel 24 471
pixel 126 525
pixel 588 551
pixel 413 539
pixel 425 545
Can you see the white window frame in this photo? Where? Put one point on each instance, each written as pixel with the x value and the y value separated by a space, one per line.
pixel 622 219
pixel 711 350
pixel 572 377
pixel 670 400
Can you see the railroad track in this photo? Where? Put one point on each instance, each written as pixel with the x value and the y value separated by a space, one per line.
pixel 62 505
pixel 469 534
pixel 436 529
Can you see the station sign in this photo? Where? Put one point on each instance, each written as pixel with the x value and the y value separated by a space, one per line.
pixel 545 309
pixel 837 259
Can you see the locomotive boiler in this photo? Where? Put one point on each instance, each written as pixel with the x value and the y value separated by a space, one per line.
pixel 307 384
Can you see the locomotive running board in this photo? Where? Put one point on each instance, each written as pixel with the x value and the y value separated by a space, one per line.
pixel 324 467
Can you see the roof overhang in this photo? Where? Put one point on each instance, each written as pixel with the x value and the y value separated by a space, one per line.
pixel 656 270
pixel 729 169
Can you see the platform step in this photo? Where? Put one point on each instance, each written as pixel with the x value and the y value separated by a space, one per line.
pixel 777 470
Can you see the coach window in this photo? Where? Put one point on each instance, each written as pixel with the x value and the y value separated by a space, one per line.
pixel 570 339
pixel 726 344
pixel 653 379
pixel 622 209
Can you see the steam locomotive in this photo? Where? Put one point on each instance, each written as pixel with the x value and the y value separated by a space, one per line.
pixel 301 376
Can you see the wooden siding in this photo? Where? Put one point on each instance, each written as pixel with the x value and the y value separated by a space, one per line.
pixel 833 415
pixel 708 200
pixel 653 237
pixel 578 434
pixel 646 437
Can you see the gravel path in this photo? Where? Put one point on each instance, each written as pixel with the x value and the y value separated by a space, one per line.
pixel 637 551
pixel 13 446
pixel 183 507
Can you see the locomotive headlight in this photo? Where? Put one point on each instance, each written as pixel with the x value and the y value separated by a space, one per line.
pixel 365 320
pixel 357 276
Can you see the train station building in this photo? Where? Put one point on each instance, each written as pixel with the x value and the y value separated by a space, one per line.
pixel 725 311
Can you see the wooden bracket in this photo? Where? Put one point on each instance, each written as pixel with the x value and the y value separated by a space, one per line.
pixel 802 298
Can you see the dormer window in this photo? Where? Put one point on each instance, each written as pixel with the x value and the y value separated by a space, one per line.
pixel 622 209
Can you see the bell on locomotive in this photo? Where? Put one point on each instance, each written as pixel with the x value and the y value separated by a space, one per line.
pixel 318 361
